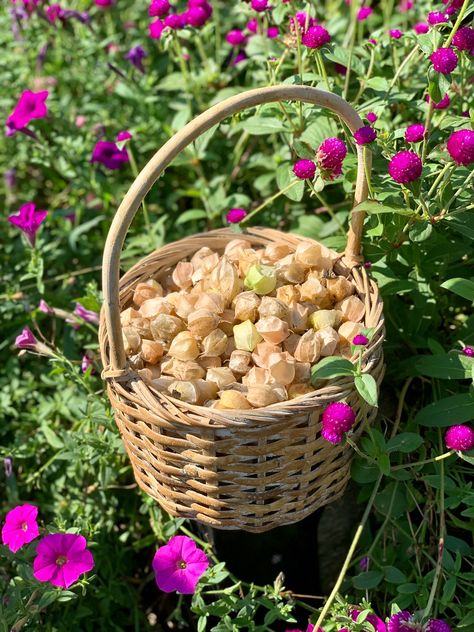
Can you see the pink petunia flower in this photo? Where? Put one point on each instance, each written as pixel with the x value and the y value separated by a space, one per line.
pixel 26 340
pixel 28 220
pixel 31 105
pixel 236 215
pixel 179 565
pixel 86 314
pixel 461 146
pixel 460 438
pixel 61 558
pixel 44 307
pixel 20 527
pixel 109 155
pixel 337 418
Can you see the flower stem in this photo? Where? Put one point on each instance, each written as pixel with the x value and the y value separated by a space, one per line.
pixel 400 69
pixel 269 201
pixel 320 62
pixel 457 24
pixel 440 457
pixel 329 208
pixel 429 116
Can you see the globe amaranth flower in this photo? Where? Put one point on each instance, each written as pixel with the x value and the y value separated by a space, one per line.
pixel 395 33
pixel 61 558
pixel 364 13
pixel 468 351
pixel 360 340
pixel 175 21
pixel 156 28
pixel 159 8
pixel 330 156
pixel 202 4
pixel 252 25
pixel 86 314
pixel 337 418
pixel 20 527
pixel 440 105
pixel 459 438
pixel 444 60
pixel 259 5
pixel 54 12
pixel 464 38
pixel 377 623
pixel 316 37
pixel 406 5
pixel 405 167
pixel 236 38
pixel 415 133
pixel 272 32
pixel 437 625
pixel 241 56
pixel 421 27
pixel 28 220
pixel 236 215
pixel 401 622
pixel 304 169
pixel 179 565
pixel 371 117
pixel 437 17
pixel 135 56
pixel 109 155
pixel 461 146
pixel 301 21
pixel 31 105
pixel 196 16
pixel 365 135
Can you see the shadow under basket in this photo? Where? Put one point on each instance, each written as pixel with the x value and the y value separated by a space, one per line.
pixel 252 470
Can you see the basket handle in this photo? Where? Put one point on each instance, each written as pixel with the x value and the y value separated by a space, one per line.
pixel 155 167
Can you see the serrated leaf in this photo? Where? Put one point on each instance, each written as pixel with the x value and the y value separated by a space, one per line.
pixel 367 388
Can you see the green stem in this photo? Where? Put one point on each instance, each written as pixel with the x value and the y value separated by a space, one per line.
pixel 320 62
pixel 349 61
pixel 400 69
pixel 440 457
pixel 429 116
pixel 363 83
pixel 367 174
pixel 329 208
pixel 459 191
pixel 269 201
pixel 457 24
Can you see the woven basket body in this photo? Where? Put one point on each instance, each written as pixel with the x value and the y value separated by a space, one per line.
pixel 253 469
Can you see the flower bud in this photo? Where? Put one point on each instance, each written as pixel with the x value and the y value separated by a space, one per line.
pixel 272 329
pixel 288 294
pixel 240 361
pixel 329 339
pixel 352 308
pixel 155 306
pixel 145 291
pixel 266 394
pixel 261 279
pixel 273 307
pixel 348 331
pixel 182 274
pixel 246 336
pixel 225 279
pixel 325 318
pixel 165 327
pixel 202 322
pixel 282 367
pixel 222 376
pixel 339 288
pixel 184 346
pixel 131 340
pixel 257 375
pixel 215 343
pixel 297 390
pixel 246 306
pixel 234 400
pixel 275 252
pixel 308 348
pixel 151 351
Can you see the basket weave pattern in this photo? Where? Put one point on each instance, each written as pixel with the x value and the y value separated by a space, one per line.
pixel 253 469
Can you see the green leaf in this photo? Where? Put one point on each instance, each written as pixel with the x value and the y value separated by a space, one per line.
pixel 367 580
pixel 394 575
pixel 448 411
pixel 367 388
pixel 448 366
pixel 420 231
pixel 52 438
pixel 82 229
pixel 332 367
pixel 284 177
pixel 259 125
pixel 192 214
pixel 372 206
pixel 379 84
pixel 461 287
pixel 404 442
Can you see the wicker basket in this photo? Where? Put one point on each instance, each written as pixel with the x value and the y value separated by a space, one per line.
pixel 253 469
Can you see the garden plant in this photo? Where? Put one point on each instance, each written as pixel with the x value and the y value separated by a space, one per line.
pixel 91 90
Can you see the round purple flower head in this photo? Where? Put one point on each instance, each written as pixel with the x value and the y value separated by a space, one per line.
pixel 406 166
pixel 236 215
pixel 360 340
pixel 364 13
pixel 304 169
pixel 330 156
pixel 464 38
pixel 272 32
pixel 421 27
pixel 252 25
pixel 158 8
pixel 365 135
pixel 444 60
pixel 440 105
pixel 415 133
pixel 437 17
pixel 337 419
pixel 175 21
pixel 259 5
pixel 371 117
pixel 459 438
pixel 155 29
pixel 196 16
pixel 468 351
pixel 235 37
pixel 461 146
pixel 395 33
pixel 400 622
pixel 437 625
pixel 316 36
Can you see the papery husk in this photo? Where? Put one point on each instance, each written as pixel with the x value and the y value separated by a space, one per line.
pixel 215 343
pixel 299 318
pixel 182 274
pixel 150 372
pixel 212 301
pixel 290 271
pixel 329 339
pixel 302 372
pixel 246 336
pixel 142 326
pixel 185 304
pixel 184 347
pixel 203 267
pixel 131 340
pixel 232 399
pixel 288 294
pixel 222 376
pixel 230 348
pixel 352 308
pixel 275 252
pixel 227 322
pixel 262 353
pixel 326 318
pixel 271 306
pixel 308 349
pixel 282 367
pixel 202 321
pixel 309 255
pixel 266 394
pixel 225 279
pixel 201 254
pixel 257 375
pixel 246 306
pixel 162 383
pixel 291 343
pixel 240 361
pixel 261 279
pixel 313 290
pixel 136 362
pixel 273 329
pixel 193 392
pixel 155 306
pixel 147 290
pixel 210 362
pixel 297 390
pixel 235 248
pixel 182 370
pixel 128 315
pixel 151 351
pixel 339 288
pixel 349 330
pixel 165 327
pixel 247 259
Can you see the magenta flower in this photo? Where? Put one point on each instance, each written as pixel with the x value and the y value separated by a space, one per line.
pixel 468 351
pixel 241 56
pixel 135 56
pixel 299 21
pixel 259 5
pixel 236 38
pixel 202 4
pixel 360 340
pixel 437 625
pixel 54 12
pixel 20 527
pixel 155 29
pixel 104 3
pixel 365 135
pixel 175 21
pixel 364 563
pixel 461 146
pixel 44 307
pixel 26 340
pixel 304 169
pixel 376 621
pixel 371 117
pixel 421 27
pixel 395 33
pixel 330 156
pixel 86 362
pixel 340 69
pixel 61 558
pixel 405 167
pixel 158 8
pixel 86 314
pixel 179 565
pixel 109 155
pixel 440 105
pixel 437 17
pixel 337 418
pixel 31 105
pixel 316 37
pixel 121 136
pixel 464 38
pixel 459 438
pixel 252 25
pixel 401 622
pixel 405 5
pixel 197 16
pixel 272 32
pixel 364 13
pixel 444 60
pixel 236 215
pixel 28 220
pixel 415 133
